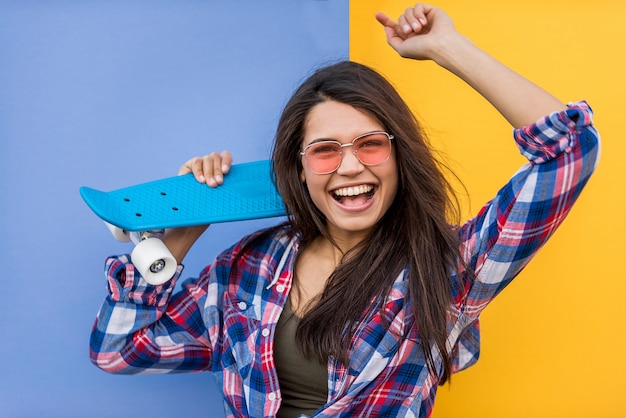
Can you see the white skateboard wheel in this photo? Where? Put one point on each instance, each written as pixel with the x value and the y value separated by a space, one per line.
pixel 154 261
pixel 118 233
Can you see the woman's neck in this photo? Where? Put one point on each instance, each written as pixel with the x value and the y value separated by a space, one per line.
pixel 344 241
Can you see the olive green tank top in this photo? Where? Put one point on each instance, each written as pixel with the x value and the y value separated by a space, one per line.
pixel 303 382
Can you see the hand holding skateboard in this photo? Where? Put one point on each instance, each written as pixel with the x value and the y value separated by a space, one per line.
pixel 209 169
pixel 140 213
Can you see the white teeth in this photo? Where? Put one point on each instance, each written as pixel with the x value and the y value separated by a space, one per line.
pixel 353 191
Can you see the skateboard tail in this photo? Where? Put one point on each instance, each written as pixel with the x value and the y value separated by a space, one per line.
pixel 99 203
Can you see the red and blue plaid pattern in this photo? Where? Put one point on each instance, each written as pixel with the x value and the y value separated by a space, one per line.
pixel 224 321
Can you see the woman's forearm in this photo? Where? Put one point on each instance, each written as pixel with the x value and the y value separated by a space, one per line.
pixel 519 100
pixel 180 240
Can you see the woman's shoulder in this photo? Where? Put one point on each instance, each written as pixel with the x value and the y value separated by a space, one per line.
pixel 272 241
pixel 259 254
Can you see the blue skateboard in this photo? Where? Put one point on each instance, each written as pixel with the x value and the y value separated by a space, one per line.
pixel 140 213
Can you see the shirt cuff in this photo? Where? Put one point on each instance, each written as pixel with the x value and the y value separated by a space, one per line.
pixel 553 134
pixel 125 284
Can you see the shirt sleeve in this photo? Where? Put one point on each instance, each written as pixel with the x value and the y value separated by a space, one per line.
pixel 142 328
pixel 562 149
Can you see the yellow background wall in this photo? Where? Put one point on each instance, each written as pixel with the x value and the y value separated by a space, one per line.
pixel 553 343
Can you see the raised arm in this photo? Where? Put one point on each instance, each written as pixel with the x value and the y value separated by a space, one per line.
pixel 424 32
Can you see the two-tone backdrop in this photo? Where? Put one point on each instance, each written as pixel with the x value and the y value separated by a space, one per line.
pixel 109 94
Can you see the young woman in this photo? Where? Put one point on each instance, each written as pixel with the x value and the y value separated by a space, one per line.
pixel 368 297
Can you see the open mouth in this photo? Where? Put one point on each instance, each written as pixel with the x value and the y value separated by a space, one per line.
pixel 354 195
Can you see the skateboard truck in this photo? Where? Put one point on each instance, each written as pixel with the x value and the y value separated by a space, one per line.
pixel 150 255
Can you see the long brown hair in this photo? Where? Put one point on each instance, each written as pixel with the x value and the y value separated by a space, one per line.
pixel 415 233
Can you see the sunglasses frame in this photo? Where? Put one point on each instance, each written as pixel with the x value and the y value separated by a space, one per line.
pixel 303 153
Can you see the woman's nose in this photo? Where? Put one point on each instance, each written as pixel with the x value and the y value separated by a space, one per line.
pixel 350 164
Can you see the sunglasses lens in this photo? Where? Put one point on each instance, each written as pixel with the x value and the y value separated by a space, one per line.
pixel 324 157
pixel 373 149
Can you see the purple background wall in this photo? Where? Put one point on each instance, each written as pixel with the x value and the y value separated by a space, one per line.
pixel 108 94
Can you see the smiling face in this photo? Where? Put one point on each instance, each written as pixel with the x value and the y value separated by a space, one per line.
pixel 355 197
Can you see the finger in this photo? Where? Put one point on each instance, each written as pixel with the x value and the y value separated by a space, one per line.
pixel 197 168
pixel 227 161
pixel 405 24
pixel 415 19
pixel 221 166
pixel 392 29
pixel 420 13
pixel 185 168
pixel 212 169
pixel 385 20
pixel 191 166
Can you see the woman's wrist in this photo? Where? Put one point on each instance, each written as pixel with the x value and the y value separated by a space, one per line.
pixel 180 240
pixel 453 51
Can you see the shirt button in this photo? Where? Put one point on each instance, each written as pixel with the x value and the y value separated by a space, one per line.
pixel 265 333
pixel 242 305
pixel 280 288
pixel 271 396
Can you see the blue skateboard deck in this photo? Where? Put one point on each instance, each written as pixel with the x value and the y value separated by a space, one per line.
pixel 248 192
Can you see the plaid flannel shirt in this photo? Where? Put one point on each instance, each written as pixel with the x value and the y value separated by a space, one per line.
pixel 224 321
